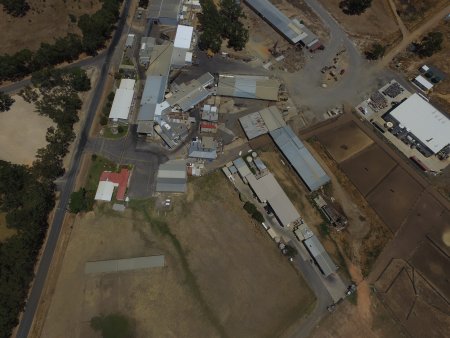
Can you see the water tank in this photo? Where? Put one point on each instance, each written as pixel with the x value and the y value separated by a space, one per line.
pixel 254 154
pixel 389 125
pixel 249 159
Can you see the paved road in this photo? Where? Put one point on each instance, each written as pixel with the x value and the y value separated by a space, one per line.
pixel 55 229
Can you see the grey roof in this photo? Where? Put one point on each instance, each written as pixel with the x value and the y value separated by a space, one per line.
pixel 145 127
pixel 246 86
pixel 172 177
pixel 196 150
pixel 289 28
pixel 161 57
pixel 300 158
pixel 164 9
pixel 128 264
pixel 189 94
pixel 154 89
pixel 260 164
pixel 253 125
pixel 242 167
pixel 322 258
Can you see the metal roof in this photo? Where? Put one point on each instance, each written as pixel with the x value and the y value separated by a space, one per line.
pixel 172 177
pixel 130 40
pixel 300 158
pixel 164 9
pixel 272 118
pixel 183 37
pixel 154 90
pixel 423 120
pixel 322 258
pixel 246 86
pixel 123 99
pixel 160 60
pixel 268 190
pixel 105 191
pixel 241 167
pixel 253 125
pixel 128 264
pixel 291 29
pixel 189 94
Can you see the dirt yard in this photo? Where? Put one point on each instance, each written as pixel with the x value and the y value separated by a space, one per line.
pixel 414 12
pixel 45 21
pixel 376 24
pixel 22 132
pixel 211 285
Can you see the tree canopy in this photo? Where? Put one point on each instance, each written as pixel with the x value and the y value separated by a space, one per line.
pixel 6 102
pixel 354 7
pixel 16 8
pixel 375 52
pixel 430 44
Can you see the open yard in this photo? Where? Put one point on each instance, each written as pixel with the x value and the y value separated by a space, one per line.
pixel 415 12
pixel 376 24
pixel 22 132
pixel 45 21
pixel 218 271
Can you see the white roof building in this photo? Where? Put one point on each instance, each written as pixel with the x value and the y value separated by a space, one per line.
pixel 183 37
pixel 424 121
pixel 423 83
pixel 122 100
pixel 105 191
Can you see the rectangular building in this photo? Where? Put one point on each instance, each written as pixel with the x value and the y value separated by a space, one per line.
pixel 300 158
pixel 123 100
pixel 247 86
pixel 189 94
pixel 164 12
pixel 172 177
pixel 292 30
pixel 423 122
pixel 317 251
pixel 183 37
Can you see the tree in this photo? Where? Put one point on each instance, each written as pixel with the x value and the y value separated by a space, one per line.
pixel 79 80
pixel 250 208
pixel 354 7
pixel 430 44
pixel 6 102
pixel 78 201
pixel 16 8
pixel 257 216
pixel 112 326
pixel 375 52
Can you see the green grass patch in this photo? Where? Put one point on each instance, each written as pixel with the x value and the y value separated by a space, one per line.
pixel 353 298
pixel 121 132
pixel 98 165
pixel 113 326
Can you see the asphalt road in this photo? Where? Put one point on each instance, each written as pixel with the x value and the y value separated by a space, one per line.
pixel 66 189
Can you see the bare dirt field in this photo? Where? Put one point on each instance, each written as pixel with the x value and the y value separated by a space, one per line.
pixel 45 21
pixel 414 12
pixel 218 271
pixel 376 24
pixel 368 168
pixel 22 132
pixel 345 141
pixel 394 197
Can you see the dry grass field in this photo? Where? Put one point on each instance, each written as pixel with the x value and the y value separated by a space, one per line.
pixel 376 24
pixel 45 21
pixel 22 132
pixel 415 12
pixel 218 271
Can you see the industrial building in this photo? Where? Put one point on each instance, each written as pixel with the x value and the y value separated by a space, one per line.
pixel 204 149
pixel 309 170
pixel 187 95
pixel 247 86
pixel 172 177
pixel 109 181
pixel 145 51
pixel 269 191
pixel 294 31
pixel 123 100
pixel 261 122
pixel 152 96
pixel 130 40
pixel 420 124
pixel 183 37
pixel 210 113
pixel 164 12
pixel 320 255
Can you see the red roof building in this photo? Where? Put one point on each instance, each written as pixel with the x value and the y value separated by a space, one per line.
pixel 121 179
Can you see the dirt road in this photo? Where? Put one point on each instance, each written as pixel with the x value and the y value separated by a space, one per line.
pixel 427 26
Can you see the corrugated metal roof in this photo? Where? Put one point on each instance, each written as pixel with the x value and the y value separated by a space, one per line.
pixel 272 118
pixel 320 255
pixel 128 264
pixel 289 28
pixel 242 167
pixel 183 37
pixel 154 90
pixel 268 190
pixel 191 93
pixel 248 86
pixel 253 125
pixel 300 158
pixel 105 191
pixel 123 99
pixel 164 9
